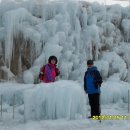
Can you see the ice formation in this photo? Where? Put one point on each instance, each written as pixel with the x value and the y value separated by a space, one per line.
pixel 63 99
pixel 73 31
pixel 31 31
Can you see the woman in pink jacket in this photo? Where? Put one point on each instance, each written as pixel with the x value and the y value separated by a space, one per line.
pixel 49 71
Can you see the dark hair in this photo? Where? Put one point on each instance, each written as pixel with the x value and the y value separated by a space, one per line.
pixel 52 58
pixel 90 62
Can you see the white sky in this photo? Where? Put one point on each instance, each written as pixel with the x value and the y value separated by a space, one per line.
pixel 108 2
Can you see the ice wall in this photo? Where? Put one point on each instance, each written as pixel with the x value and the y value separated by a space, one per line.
pixel 73 31
pixel 62 99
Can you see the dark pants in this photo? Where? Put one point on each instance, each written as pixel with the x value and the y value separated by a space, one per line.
pixel 94 102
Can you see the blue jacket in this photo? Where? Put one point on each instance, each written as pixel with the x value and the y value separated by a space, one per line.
pixel 92 81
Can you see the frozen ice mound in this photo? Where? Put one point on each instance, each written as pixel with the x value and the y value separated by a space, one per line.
pixel 62 99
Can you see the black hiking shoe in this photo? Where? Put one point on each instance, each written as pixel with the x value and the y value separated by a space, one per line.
pixel 90 117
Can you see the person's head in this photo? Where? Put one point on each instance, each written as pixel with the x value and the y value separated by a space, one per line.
pixel 90 63
pixel 52 60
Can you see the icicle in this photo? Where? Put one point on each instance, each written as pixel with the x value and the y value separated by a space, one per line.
pixel 83 18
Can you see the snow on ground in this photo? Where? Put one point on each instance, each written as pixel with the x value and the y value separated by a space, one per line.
pixel 113 102
pixel 68 125
pixel 64 124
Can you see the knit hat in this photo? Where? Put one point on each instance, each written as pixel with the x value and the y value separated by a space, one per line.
pixel 90 62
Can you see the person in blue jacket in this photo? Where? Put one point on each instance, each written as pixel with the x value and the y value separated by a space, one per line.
pixel 92 84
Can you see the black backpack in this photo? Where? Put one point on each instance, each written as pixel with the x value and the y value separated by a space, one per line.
pixel 97 78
